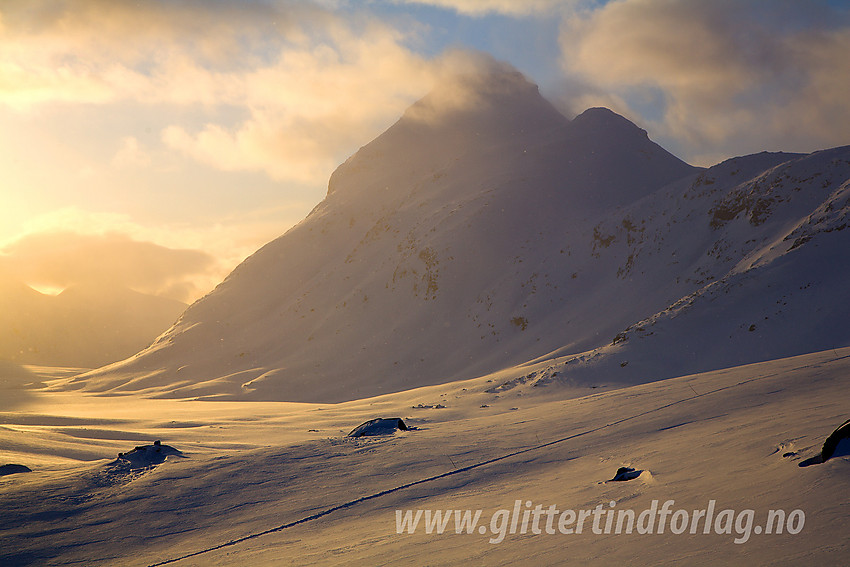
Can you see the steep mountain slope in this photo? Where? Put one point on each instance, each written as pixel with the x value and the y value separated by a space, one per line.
pixel 484 230
pixel 768 252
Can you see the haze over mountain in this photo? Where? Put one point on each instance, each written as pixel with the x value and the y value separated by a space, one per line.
pixel 484 229
pixel 85 325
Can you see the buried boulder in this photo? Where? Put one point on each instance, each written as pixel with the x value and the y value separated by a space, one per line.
pixel 626 473
pixel 14 469
pixel 837 442
pixel 378 426
pixel 145 456
pixel 836 445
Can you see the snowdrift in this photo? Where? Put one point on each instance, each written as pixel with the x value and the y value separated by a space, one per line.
pixel 262 489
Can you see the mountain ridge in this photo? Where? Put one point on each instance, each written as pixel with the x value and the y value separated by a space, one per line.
pixel 83 326
pixel 457 245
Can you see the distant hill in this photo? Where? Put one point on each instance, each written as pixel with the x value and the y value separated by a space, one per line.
pixel 484 229
pixel 84 326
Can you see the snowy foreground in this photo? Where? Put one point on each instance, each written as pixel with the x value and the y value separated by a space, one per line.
pixel 275 483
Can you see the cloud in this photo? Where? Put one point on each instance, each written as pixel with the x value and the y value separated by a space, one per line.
pixel 212 249
pixel 471 80
pixel 310 108
pixel 130 155
pixel 316 104
pixel 61 259
pixel 103 51
pixel 742 76
pixel 310 84
pixel 506 7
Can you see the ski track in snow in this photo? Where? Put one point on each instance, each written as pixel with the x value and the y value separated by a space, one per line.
pixel 467 468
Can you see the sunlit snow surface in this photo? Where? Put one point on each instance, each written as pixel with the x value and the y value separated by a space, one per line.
pixel 545 303
pixel 283 483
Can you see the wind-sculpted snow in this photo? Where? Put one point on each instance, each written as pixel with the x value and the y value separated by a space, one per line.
pixel 771 284
pixel 472 237
pixel 281 484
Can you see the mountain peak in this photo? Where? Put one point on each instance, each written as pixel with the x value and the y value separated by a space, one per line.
pixel 604 121
pixel 495 96
pixel 433 234
pixel 470 113
pixel 474 91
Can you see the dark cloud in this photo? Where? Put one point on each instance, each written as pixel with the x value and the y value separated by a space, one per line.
pixel 742 76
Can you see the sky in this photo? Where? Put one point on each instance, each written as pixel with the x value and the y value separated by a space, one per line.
pixel 179 136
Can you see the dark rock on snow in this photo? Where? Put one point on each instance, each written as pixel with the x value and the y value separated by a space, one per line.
pixel 13 469
pixel 379 426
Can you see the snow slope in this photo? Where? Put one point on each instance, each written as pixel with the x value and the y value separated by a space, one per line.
pixel 542 301
pixel 484 230
pixel 437 243
pixel 279 483
pixel 769 257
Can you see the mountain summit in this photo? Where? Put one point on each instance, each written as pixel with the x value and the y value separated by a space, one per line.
pixel 480 231
pixel 498 124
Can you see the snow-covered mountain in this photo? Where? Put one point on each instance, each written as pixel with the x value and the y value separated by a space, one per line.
pixel 484 230
pixel 83 326
pixel 766 246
